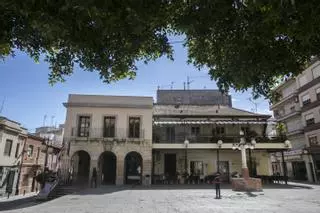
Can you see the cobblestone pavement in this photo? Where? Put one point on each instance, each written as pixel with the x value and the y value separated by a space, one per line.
pixel 166 199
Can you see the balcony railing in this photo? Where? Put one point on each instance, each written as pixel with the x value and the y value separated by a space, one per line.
pixel 158 138
pixel 101 133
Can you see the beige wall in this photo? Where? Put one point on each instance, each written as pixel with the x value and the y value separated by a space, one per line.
pixel 95 149
pixel 97 114
pixel 122 107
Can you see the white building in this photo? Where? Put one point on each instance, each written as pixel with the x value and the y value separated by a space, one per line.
pixel 55 134
pixel 12 140
pixel 298 108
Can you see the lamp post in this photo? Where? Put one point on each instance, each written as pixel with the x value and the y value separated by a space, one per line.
pixel 287 144
pixel 186 143
pixel 243 146
pixel 219 145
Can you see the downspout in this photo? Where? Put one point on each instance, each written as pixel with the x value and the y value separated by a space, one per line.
pixel 19 174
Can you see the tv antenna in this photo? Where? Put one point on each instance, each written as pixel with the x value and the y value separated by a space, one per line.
pixel 2 104
pixel 255 109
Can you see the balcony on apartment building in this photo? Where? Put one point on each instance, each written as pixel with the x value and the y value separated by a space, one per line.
pixel 293 95
pixel 117 135
pixel 286 114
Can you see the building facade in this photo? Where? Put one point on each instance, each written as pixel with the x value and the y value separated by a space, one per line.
pixel 12 140
pixel 55 134
pixel 32 164
pixel 109 134
pixel 298 108
pixel 132 140
pixel 186 142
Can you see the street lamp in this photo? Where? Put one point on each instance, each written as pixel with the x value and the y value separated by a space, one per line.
pixel 287 144
pixel 219 145
pixel 186 143
pixel 48 140
pixel 242 146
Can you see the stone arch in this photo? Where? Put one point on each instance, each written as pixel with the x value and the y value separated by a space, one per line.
pixel 80 166
pixel 133 167
pixel 107 167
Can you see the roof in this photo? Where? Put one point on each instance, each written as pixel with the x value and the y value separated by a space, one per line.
pixel 203 110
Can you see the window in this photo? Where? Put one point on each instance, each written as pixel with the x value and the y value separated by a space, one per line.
pixel 170 136
pixel 318 93
pixel 17 150
pixel 1 172
pixel 7 148
pixel 306 99
pixel 38 152
pixel 292 109
pixel 84 126
pixel 195 130
pixel 316 71
pixel 313 140
pixel 220 130
pixel 309 119
pixel 196 167
pixel 134 127
pixel 245 130
pixel 30 151
pixel 109 127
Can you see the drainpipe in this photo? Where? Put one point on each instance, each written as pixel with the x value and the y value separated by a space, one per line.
pixel 20 166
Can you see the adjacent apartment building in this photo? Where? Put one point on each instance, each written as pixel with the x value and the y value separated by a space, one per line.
pixel 298 108
pixel 12 140
pixel 130 139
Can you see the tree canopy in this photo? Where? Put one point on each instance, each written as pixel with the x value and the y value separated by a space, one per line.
pixel 243 43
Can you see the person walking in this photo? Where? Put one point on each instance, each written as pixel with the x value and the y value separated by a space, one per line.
pixel 217 181
pixel 94 178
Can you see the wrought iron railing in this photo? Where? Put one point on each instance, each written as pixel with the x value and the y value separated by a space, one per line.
pixel 158 138
pixel 116 133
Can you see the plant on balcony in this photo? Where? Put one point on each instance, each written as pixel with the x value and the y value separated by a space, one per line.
pixel 281 129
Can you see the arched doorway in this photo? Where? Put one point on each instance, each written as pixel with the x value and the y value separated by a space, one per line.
pixel 108 167
pixel 133 168
pixel 80 163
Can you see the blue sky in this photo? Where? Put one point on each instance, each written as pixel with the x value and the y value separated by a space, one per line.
pixel 28 96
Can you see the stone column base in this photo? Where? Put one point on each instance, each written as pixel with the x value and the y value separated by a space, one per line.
pixel 245 185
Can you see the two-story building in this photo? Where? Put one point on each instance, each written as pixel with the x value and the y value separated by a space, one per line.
pixel 199 138
pixel 111 134
pixel 298 108
pixel 132 140
pixel 12 140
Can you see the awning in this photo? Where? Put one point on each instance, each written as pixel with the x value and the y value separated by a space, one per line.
pixel 209 122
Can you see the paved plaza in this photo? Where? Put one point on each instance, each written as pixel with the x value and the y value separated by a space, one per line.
pixel 179 199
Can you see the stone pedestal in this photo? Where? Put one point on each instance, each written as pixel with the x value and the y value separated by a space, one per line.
pixel 245 173
pixel 246 184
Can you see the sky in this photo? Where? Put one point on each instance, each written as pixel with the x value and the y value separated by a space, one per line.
pixel 26 96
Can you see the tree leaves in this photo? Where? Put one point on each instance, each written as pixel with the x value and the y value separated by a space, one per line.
pixel 244 44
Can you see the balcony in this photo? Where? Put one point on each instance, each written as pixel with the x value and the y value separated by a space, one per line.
pixel 286 116
pixel 119 135
pixel 294 94
pixel 205 139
